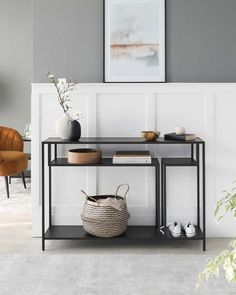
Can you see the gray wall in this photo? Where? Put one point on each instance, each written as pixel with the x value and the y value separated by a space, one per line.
pixel 15 62
pixel 201 40
pixel 68 39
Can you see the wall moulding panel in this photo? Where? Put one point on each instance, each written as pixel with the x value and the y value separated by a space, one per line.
pixel 125 110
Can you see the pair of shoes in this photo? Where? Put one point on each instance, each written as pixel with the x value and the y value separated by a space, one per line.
pixel 175 229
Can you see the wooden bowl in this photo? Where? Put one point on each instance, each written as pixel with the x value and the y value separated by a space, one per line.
pixel 150 135
pixel 84 156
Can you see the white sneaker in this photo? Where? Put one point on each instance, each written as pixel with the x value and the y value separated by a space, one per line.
pixel 175 229
pixel 189 230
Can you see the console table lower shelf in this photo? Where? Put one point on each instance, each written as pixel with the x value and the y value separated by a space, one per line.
pixel 67 232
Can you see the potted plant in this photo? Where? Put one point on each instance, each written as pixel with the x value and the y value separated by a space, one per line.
pixel 66 127
pixel 227 259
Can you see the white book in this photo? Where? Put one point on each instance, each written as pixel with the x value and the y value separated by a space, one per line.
pixel 132 157
pixel 132 154
pixel 147 160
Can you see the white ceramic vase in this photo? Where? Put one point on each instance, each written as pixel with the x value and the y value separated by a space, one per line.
pixel 62 126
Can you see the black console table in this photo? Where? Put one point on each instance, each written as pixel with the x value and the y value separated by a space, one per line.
pixel 66 232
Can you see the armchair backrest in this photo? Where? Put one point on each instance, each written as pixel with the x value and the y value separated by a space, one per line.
pixel 10 140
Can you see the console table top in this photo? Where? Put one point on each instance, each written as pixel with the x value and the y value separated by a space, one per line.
pixel 118 140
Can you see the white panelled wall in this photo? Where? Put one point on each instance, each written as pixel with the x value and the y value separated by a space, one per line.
pixel 123 110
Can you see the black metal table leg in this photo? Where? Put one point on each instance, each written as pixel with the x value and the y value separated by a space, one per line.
pixel 55 151
pixel 198 185
pixel 164 195
pixel 43 197
pixel 50 184
pixel 162 198
pixel 192 150
pixel 203 198
pixel 157 188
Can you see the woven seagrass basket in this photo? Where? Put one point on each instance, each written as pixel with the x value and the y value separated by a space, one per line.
pixel 104 221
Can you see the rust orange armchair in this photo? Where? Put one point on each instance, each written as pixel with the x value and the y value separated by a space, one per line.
pixel 12 158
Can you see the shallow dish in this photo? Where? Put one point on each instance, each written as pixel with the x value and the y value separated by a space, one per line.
pixel 150 135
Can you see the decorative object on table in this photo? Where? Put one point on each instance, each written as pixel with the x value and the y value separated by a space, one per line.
pixel 185 137
pixel 84 156
pixel 132 157
pixel 180 130
pixel 66 127
pixel 27 132
pixel 150 135
pixel 134 41
pixel 106 216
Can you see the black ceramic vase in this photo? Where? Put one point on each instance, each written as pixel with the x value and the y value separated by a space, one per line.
pixel 74 129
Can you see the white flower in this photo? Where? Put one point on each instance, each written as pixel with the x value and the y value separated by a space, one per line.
pixel 61 83
pixel 50 76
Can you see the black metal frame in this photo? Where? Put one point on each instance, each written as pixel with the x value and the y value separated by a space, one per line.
pixel 133 232
pixel 104 53
pixel 193 161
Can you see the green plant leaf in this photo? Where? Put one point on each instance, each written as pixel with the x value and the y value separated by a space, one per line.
pixel 227 259
pixel 230 273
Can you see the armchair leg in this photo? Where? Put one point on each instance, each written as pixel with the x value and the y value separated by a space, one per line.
pixel 7 186
pixel 23 179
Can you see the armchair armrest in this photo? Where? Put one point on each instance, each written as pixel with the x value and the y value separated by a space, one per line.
pixel 10 140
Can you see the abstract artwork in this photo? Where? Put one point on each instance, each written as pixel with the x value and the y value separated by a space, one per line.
pixel 134 37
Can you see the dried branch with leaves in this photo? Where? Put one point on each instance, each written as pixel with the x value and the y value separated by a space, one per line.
pixel 64 90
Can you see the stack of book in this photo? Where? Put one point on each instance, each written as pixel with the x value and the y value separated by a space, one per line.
pixel 132 157
pixel 184 137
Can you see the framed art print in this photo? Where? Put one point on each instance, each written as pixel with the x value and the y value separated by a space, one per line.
pixel 134 40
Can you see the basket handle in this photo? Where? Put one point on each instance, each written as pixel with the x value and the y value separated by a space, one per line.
pixel 87 196
pixel 120 187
